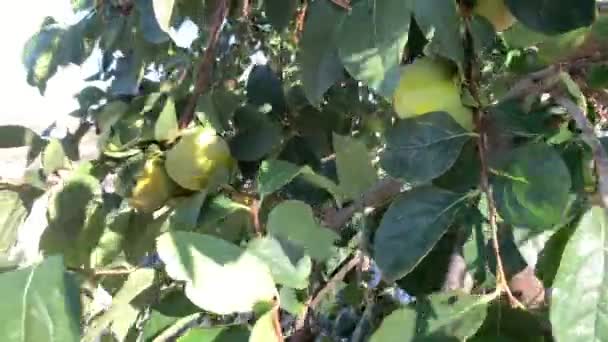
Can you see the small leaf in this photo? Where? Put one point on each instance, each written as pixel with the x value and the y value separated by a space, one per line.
pixel 234 333
pixel 214 271
pixel 371 42
pixel 280 12
pixel 423 148
pixel 163 10
pixel 53 157
pixel 440 23
pixel 318 57
pixel 532 190
pixel 12 214
pixel 17 136
pixel 579 299
pixel 166 127
pixel 285 269
pixel 353 155
pixel 553 17
pixel 275 174
pixel 294 220
pixel 411 226
pixel 441 317
pixel 40 303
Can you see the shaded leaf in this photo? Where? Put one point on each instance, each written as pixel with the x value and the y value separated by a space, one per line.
pixel 214 271
pixel 18 136
pixel 452 316
pixel 280 12
pixel 41 303
pixel 295 221
pixel 235 333
pixel 532 190
pixel 440 22
pixel 411 226
pixel 318 57
pixel 352 155
pixel 553 17
pixel 579 298
pixel 371 42
pixel 256 134
pixel 423 148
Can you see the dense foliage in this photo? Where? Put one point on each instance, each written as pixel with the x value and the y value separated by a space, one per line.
pixel 316 170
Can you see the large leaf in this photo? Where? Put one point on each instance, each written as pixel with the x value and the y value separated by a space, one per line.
pixel 441 317
pixel 423 148
pixel 352 155
pixel 371 42
pixel 274 174
pixel 285 267
pixel 295 221
pixel 411 226
pixel 440 23
pixel 532 190
pixel 41 303
pixel 234 333
pixel 579 299
pixel 264 329
pixel 553 17
pixel 320 65
pixel 215 271
pixel 280 12
pixel 12 214
pixel 163 10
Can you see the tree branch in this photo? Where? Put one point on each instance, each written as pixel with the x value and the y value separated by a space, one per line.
pixel 205 66
pixel 599 154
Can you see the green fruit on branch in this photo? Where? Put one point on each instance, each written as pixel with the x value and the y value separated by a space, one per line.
pixel 496 12
pixel 153 187
pixel 200 159
pixel 429 85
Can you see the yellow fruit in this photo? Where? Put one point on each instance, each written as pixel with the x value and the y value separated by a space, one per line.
pixel 429 85
pixel 153 187
pixel 201 158
pixel 496 12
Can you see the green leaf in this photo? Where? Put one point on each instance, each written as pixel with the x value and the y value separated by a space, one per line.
pixel 423 148
pixel 214 271
pixel 163 10
pixel 235 333
pixel 274 174
pixel 280 12
pixel 532 190
pixel 186 211
pixel 295 221
pixel 285 268
pixel 290 302
pixel 123 307
pixel 579 299
pixel 530 243
pixel 441 317
pixel 256 134
pixel 440 22
pixel 411 226
pixel 113 237
pixel 371 42
pixel 53 157
pixel 318 57
pixel 553 17
pixel 166 127
pixel 17 136
pixel 352 155
pixel 41 303
pixel 506 324
pixel 12 214
pixel 263 330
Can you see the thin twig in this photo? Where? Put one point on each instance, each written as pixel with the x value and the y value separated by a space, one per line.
pixel 300 18
pixel 205 66
pixel 599 154
pixel 301 326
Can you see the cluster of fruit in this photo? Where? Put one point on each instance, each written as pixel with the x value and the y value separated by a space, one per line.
pixel 199 160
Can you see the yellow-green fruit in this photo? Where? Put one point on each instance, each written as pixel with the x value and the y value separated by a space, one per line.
pixel 496 12
pixel 428 85
pixel 153 187
pixel 199 159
